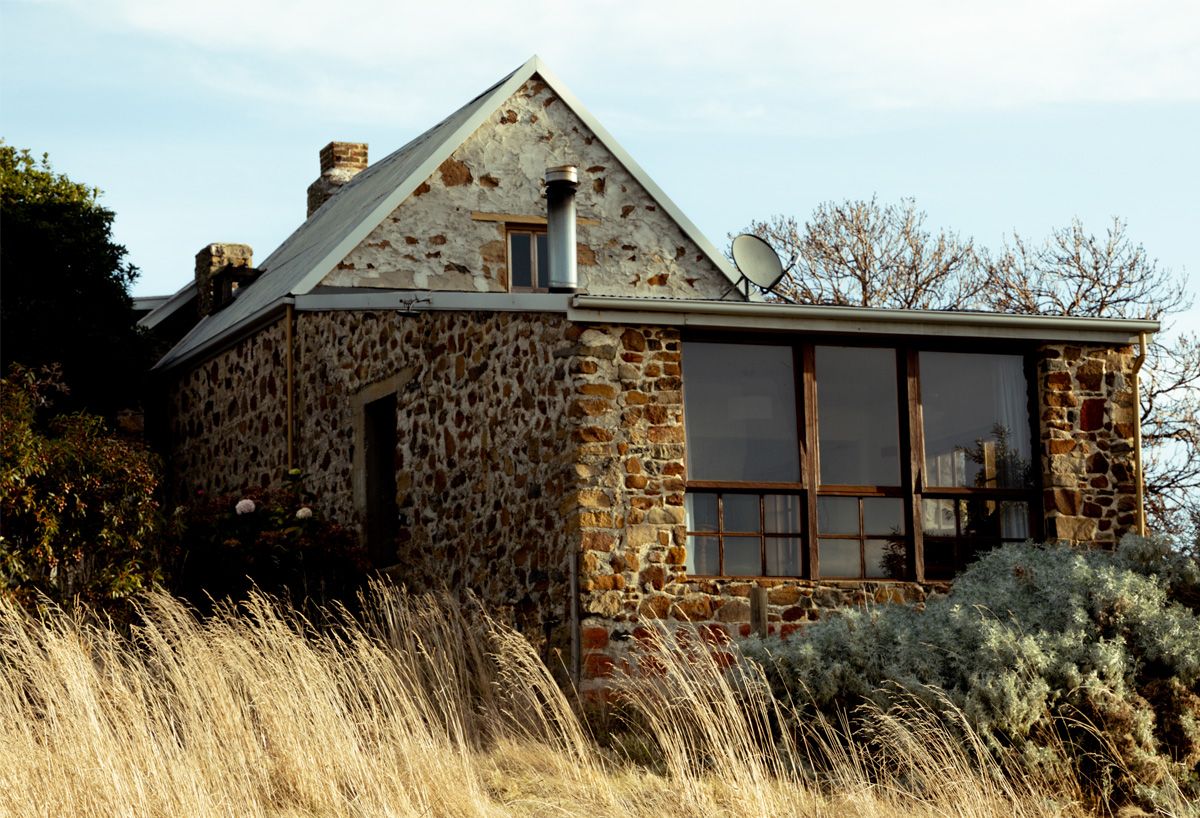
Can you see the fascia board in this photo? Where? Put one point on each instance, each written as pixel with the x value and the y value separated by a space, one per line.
pixel 856 320
pixel 224 338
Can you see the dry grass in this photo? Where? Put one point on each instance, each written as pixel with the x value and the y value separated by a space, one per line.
pixel 420 712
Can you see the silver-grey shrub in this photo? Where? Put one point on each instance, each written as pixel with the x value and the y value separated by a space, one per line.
pixel 1047 651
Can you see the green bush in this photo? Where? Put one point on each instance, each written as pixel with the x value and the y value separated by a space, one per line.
pixel 1048 651
pixel 272 539
pixel 78 518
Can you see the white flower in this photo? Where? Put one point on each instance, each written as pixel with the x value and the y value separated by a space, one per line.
pixel 303 513
pixel 244 506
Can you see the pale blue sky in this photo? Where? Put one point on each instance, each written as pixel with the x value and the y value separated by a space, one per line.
pixel 202 121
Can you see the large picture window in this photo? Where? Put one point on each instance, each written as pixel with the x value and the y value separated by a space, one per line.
pixel 853 461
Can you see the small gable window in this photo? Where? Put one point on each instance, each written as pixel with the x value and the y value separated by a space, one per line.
pixel 528 260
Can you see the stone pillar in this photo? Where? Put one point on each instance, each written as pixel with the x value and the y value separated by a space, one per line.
pixel 1086 404
pixel 210 262
pixel 627 414
pixel 340 162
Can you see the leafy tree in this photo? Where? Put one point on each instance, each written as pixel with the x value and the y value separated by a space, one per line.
pixel 64 285
pixel 77 511
pixel 863 253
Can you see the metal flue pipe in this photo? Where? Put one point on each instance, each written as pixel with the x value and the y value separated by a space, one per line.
pixel 561 183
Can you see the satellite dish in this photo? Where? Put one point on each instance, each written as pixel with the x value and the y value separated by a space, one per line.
pixel 758 264
pixel 757 261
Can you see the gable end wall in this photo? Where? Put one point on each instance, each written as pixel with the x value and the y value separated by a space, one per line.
pixel 627 244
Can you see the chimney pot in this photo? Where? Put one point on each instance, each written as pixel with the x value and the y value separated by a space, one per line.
pixel 216 266
pixel 340 162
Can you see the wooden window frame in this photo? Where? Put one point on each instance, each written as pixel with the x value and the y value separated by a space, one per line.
pixel 762 533
pixel 535 264
pixel 911 489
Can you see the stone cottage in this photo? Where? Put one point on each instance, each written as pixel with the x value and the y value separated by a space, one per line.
pixel 507 358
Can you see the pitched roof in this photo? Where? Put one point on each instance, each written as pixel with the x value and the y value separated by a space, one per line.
pixel 305 257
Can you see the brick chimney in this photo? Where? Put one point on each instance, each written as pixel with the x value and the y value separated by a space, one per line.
pixel 340 161
pixel 221 269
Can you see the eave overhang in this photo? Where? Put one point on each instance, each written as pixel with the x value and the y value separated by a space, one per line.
pixel 817 319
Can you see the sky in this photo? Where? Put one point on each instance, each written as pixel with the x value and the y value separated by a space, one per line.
pixel 201 121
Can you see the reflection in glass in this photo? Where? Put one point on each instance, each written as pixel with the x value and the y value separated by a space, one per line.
pixel 740 412
pixel 883 560
pixel 857 412
pixel 976 414
pixel 742 556
pixel 701 511
pixel 741 512
pixel 520 259
pixel 837 515
pixel 958 530
pixel 702 556
pixel 782 513
pixel 783 556
pixel 883 515
pixel 938 517
pixel 839 558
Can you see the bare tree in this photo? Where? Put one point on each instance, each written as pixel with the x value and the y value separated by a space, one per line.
pixel 861 253
pixel 1170 387
pixel 1074 272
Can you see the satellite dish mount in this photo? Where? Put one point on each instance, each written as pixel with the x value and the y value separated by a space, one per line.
pixel 758 264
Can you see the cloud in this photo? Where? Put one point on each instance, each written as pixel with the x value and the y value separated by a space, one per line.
pixel 935 54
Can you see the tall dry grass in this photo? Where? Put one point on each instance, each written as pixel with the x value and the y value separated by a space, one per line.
pixel 420 709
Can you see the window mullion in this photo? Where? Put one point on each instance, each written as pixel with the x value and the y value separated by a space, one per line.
pixel 914 442
pixel 810 464
pixel 721 534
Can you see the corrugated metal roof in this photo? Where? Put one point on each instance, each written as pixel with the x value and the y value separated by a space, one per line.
pixel 167 306
pixel 307 256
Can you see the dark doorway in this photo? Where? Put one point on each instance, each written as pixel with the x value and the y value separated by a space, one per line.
pixel 380 456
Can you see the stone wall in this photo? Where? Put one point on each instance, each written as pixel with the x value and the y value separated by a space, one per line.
pixel 482 453
pixel 627 418
pixel 525 439
pixel 228 418
pixel 1087 413
pixel 627 244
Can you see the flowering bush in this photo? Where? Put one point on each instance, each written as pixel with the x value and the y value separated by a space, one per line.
pixel 78 518
pixel 227 544
pixel 1035 644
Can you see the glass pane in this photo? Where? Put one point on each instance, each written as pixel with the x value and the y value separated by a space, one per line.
pixel 1014 520
pixel 520 260
pixel 886 559
pixel 742 557
pixel 740 413
pixel 979 517
pixel 937 518
pixel 741 512
pixel 783 556
pixel 542 262
pixel 701 511
pixel 939 558
pixel 859 434
pixel 782 512
pixel 837 515
pixel 839 558
pixel 976 415
pixel 883 515
pixel 702 556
